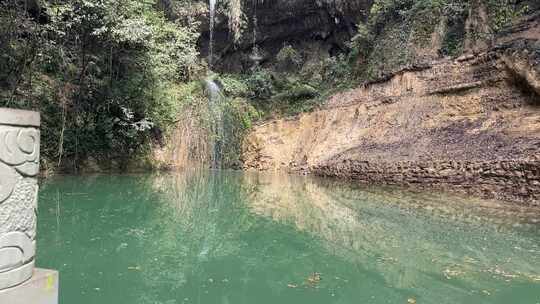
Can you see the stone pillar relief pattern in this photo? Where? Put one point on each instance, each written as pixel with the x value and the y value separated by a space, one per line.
pixel 19 167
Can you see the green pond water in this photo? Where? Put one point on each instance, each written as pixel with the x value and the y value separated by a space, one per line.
pixel 238 238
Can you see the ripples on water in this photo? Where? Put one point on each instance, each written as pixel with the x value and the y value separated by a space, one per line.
pixel 232 238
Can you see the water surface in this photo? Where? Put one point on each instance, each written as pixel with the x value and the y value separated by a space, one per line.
pixel 235 238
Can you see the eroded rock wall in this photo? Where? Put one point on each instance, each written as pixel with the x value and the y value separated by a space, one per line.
pixel 470 124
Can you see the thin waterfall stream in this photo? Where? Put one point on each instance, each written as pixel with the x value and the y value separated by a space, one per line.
pixel 214 97
pixel 212 8
pixel 255 55
pixel 215 106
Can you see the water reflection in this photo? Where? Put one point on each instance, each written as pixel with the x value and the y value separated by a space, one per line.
pixel 229 237
pixel 411 238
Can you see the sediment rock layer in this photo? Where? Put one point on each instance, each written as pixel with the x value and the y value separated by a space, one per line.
pixel 470 124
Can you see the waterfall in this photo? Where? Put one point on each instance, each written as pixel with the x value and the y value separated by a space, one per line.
pixel 215 98
pixel 255 23
pixel 255 55
pixel 212 24
pixel 215 106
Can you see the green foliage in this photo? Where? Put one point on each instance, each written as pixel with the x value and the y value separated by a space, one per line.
pixel 422 29
pixel 361 43
pixel 336 69
pixel 455 34
pixel 383 11
pixel 260 84
pixel 270 93
pixel 296 92
pixel 288 56
pixel 503 12
pixel 106 75
pixel 233 86
pixel 238 118
pixel 172 50
pixel 398 32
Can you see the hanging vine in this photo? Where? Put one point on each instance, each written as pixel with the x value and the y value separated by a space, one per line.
pixel 234 13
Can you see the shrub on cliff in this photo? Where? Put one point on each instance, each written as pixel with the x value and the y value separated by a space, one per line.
pixel 234 86
pixel 296 92
pixel 261 84
pixel 289 58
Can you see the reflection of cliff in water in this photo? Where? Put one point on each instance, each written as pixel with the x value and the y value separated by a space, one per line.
pixel 458 247
pixel 409 237
pixel 229 237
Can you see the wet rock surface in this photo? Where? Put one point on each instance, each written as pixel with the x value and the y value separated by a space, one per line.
pixel 318 26
pixel 505 180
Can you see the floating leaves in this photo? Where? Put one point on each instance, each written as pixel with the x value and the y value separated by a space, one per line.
pixel 314 279
pixel 450 273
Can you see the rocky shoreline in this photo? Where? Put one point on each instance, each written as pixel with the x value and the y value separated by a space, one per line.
pixel 516 181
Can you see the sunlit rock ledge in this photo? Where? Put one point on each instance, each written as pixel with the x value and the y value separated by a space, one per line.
pixel 470 124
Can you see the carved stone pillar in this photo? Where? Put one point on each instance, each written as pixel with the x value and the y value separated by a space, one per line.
pixel 19 167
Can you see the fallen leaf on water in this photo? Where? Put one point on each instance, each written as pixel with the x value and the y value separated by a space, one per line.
pixel 451 273
pixel 314 278
pixel 534 277
pixel 411 301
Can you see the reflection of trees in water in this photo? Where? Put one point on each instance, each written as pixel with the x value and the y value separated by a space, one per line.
pixel 198 221
pixel 412 238
pixel 90 229
pixel 266 231
pixel 203 221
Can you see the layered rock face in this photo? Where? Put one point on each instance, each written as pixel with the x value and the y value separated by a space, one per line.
pixel 470 124
pixel 322 26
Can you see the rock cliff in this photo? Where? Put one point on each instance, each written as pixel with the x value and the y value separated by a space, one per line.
pixel 322 26
pixel 469 124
